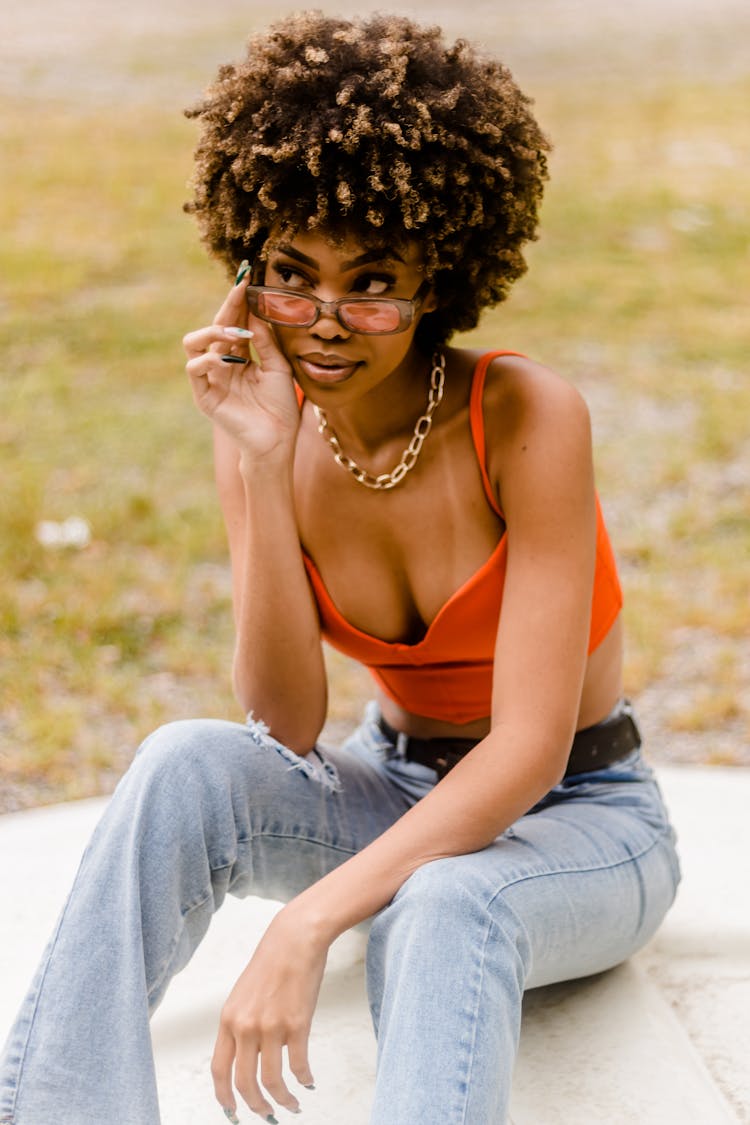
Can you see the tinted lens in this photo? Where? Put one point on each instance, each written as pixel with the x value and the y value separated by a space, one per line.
pixel 285 308
pixel 370 316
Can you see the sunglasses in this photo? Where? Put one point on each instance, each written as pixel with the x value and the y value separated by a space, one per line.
pixel 370 316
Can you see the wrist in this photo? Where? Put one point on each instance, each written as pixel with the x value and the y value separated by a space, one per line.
pixel 310 921
pixel 269 467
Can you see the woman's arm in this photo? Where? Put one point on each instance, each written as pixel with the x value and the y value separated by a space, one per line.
pixel 278 663
pixel 278 660
pixel 548 500
pixel 539 665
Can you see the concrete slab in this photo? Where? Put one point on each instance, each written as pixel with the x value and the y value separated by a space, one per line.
pixel 663 1040
pixel 611 1049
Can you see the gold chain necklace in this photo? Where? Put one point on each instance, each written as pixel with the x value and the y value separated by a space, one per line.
pixel 413 449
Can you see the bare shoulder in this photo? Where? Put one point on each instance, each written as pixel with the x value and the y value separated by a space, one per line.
pixel 537 424
pixel 520 392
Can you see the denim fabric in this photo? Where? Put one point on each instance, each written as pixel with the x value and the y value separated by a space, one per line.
pixel 210 807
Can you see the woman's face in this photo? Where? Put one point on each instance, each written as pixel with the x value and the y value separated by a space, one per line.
pixel 328 357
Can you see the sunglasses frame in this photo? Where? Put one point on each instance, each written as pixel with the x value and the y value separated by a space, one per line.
pixel 407 308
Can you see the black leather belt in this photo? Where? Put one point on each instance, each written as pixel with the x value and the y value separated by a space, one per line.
pixel 593 748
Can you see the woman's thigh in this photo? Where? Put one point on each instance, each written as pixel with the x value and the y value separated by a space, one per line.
pixel 591 873
pixel 268 821
pixel 570 889
pixel 582 881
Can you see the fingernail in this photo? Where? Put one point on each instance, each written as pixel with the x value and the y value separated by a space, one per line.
pixel 233 359
pixel 245 333
pixel 232 1116
pixel 244 269
pixel 311 1086
pixel 271 1120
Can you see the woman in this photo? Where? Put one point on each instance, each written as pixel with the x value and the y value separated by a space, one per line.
pixel 430 511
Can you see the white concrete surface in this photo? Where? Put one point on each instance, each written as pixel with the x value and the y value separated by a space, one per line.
pixel 663 1040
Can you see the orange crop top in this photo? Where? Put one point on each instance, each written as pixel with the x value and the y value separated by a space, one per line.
pixel 448 674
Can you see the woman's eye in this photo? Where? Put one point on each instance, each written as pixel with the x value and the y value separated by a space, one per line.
pixel 289 277
pixel 373 286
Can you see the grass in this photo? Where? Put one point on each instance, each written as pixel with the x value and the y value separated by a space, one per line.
pixel 635 292
pixel 638 292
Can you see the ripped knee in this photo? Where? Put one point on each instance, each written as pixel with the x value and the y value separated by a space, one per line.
pixel 312 765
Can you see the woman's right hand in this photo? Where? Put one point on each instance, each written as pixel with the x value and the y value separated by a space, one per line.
pixel 254 403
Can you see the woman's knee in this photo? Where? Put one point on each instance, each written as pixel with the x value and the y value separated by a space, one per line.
pixel 432 889
pixel 178 750
pixel 191 761
pixel 445 928
pixel 454 887
pixel 224 758
pixel 183 740
pixel 452 904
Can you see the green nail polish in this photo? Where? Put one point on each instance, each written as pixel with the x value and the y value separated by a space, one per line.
pixel 244 269
pixel 232 1116
pixel 271 1120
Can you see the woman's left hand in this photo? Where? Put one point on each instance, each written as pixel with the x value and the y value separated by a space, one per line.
pixel 270 1007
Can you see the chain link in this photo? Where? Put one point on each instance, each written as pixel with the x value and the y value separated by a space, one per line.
pixel 414 448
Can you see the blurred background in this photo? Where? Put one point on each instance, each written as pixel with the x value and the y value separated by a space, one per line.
pixel 115 599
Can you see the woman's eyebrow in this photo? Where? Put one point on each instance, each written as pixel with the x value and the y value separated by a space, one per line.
pixel 378 254
pixel 298 256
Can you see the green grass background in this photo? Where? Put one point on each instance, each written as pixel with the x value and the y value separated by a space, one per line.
pixel 637 291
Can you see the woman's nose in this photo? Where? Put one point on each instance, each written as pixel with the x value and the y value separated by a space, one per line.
pixel 329 327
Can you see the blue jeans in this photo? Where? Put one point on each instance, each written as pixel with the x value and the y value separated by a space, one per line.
pixel 210 807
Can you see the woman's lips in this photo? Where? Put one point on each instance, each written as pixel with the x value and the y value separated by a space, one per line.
pixel 327 369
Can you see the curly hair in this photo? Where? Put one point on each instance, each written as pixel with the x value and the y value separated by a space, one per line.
pixel 374 129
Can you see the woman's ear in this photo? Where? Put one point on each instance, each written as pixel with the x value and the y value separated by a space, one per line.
pixel 430 303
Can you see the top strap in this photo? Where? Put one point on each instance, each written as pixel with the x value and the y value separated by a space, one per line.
pixel 476 419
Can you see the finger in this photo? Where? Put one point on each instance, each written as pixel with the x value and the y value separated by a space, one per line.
pixel 213 337
pixel 298 1060
pixel 221 1071
pixel 246 1081
pixel 211 369
pixel 266 346
pixel 234 309
pixel 242 345
pixel 272 1078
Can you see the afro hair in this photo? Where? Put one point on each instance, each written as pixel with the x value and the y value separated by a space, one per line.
pixel 377 130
